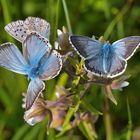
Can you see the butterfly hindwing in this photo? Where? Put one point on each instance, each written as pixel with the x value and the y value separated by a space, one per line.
pixel 35 88
pixel 51 66
pixel 12 59
pixel 85 46
pixel 118 66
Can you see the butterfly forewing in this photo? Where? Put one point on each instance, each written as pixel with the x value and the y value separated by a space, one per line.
pixel 127 46
pixel 17 30
pixel 20 29
pixel 85 46
pixel 34 48
pixel 12 59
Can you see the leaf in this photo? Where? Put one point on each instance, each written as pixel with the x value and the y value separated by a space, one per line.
pixel 21 132
pixel 73 62
pixel 109 94
pixel 6 100
pixel 90 108
pixel 87 130
pixel 62 79
pixel 66 124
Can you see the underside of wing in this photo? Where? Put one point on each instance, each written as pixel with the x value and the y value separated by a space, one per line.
pixel 85 46
pixel 35 88
pixel 127 46
pixel 17 30
pixel 20 29
pixel 39 25
pixel 50 66
pixel 12 59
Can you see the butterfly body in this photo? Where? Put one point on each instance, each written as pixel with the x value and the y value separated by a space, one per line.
pixel 39 62
pixel 102 58
pixel 33 72
pixel 107 52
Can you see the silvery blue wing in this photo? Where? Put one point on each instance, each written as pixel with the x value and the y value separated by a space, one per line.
pixel 21 28
pixel 38 62
pixel 102 58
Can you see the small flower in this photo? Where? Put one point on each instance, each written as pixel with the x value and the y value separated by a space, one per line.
pixel 55 109
pixel 84 116
pixel 120 82
pixel 63 40
pixel 37 112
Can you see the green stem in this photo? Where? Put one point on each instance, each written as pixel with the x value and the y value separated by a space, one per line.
pixel 107 120
pixel 56 21
pixel 129 133
pixel 107 9
pixel 67 16
pixel 6 14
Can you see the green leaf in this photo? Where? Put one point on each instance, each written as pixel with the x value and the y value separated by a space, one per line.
pixel 6 100
pixel 21 132
pixel 87 130
pixel 66 124
pixel 90 108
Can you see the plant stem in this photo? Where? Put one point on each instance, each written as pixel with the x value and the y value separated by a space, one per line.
pixel 116 20
pixel 107 120
pixel 56 20
pixel 129 133
pixel 67 16
pixel 6 15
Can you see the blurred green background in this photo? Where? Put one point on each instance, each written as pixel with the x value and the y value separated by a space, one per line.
pixel 114 19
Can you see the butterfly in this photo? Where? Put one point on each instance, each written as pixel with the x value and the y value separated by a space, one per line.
pixel 104 59
pixel 20 29
pixel 39 62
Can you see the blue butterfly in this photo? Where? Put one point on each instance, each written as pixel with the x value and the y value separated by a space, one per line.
pixel 39 62
pixel 21 28
pixel 102 58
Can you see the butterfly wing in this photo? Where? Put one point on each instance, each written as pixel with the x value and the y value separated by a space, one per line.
pixel 35 88
pixel 123 50
pixel 34 48
pixel 38 25
pixel 12 59
pixel 118 66
pixel 50 66
pixel 20 29
pixel 91 51
pixel 85 46
pixel 95 65
pixel 126 47
pixel 17 30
